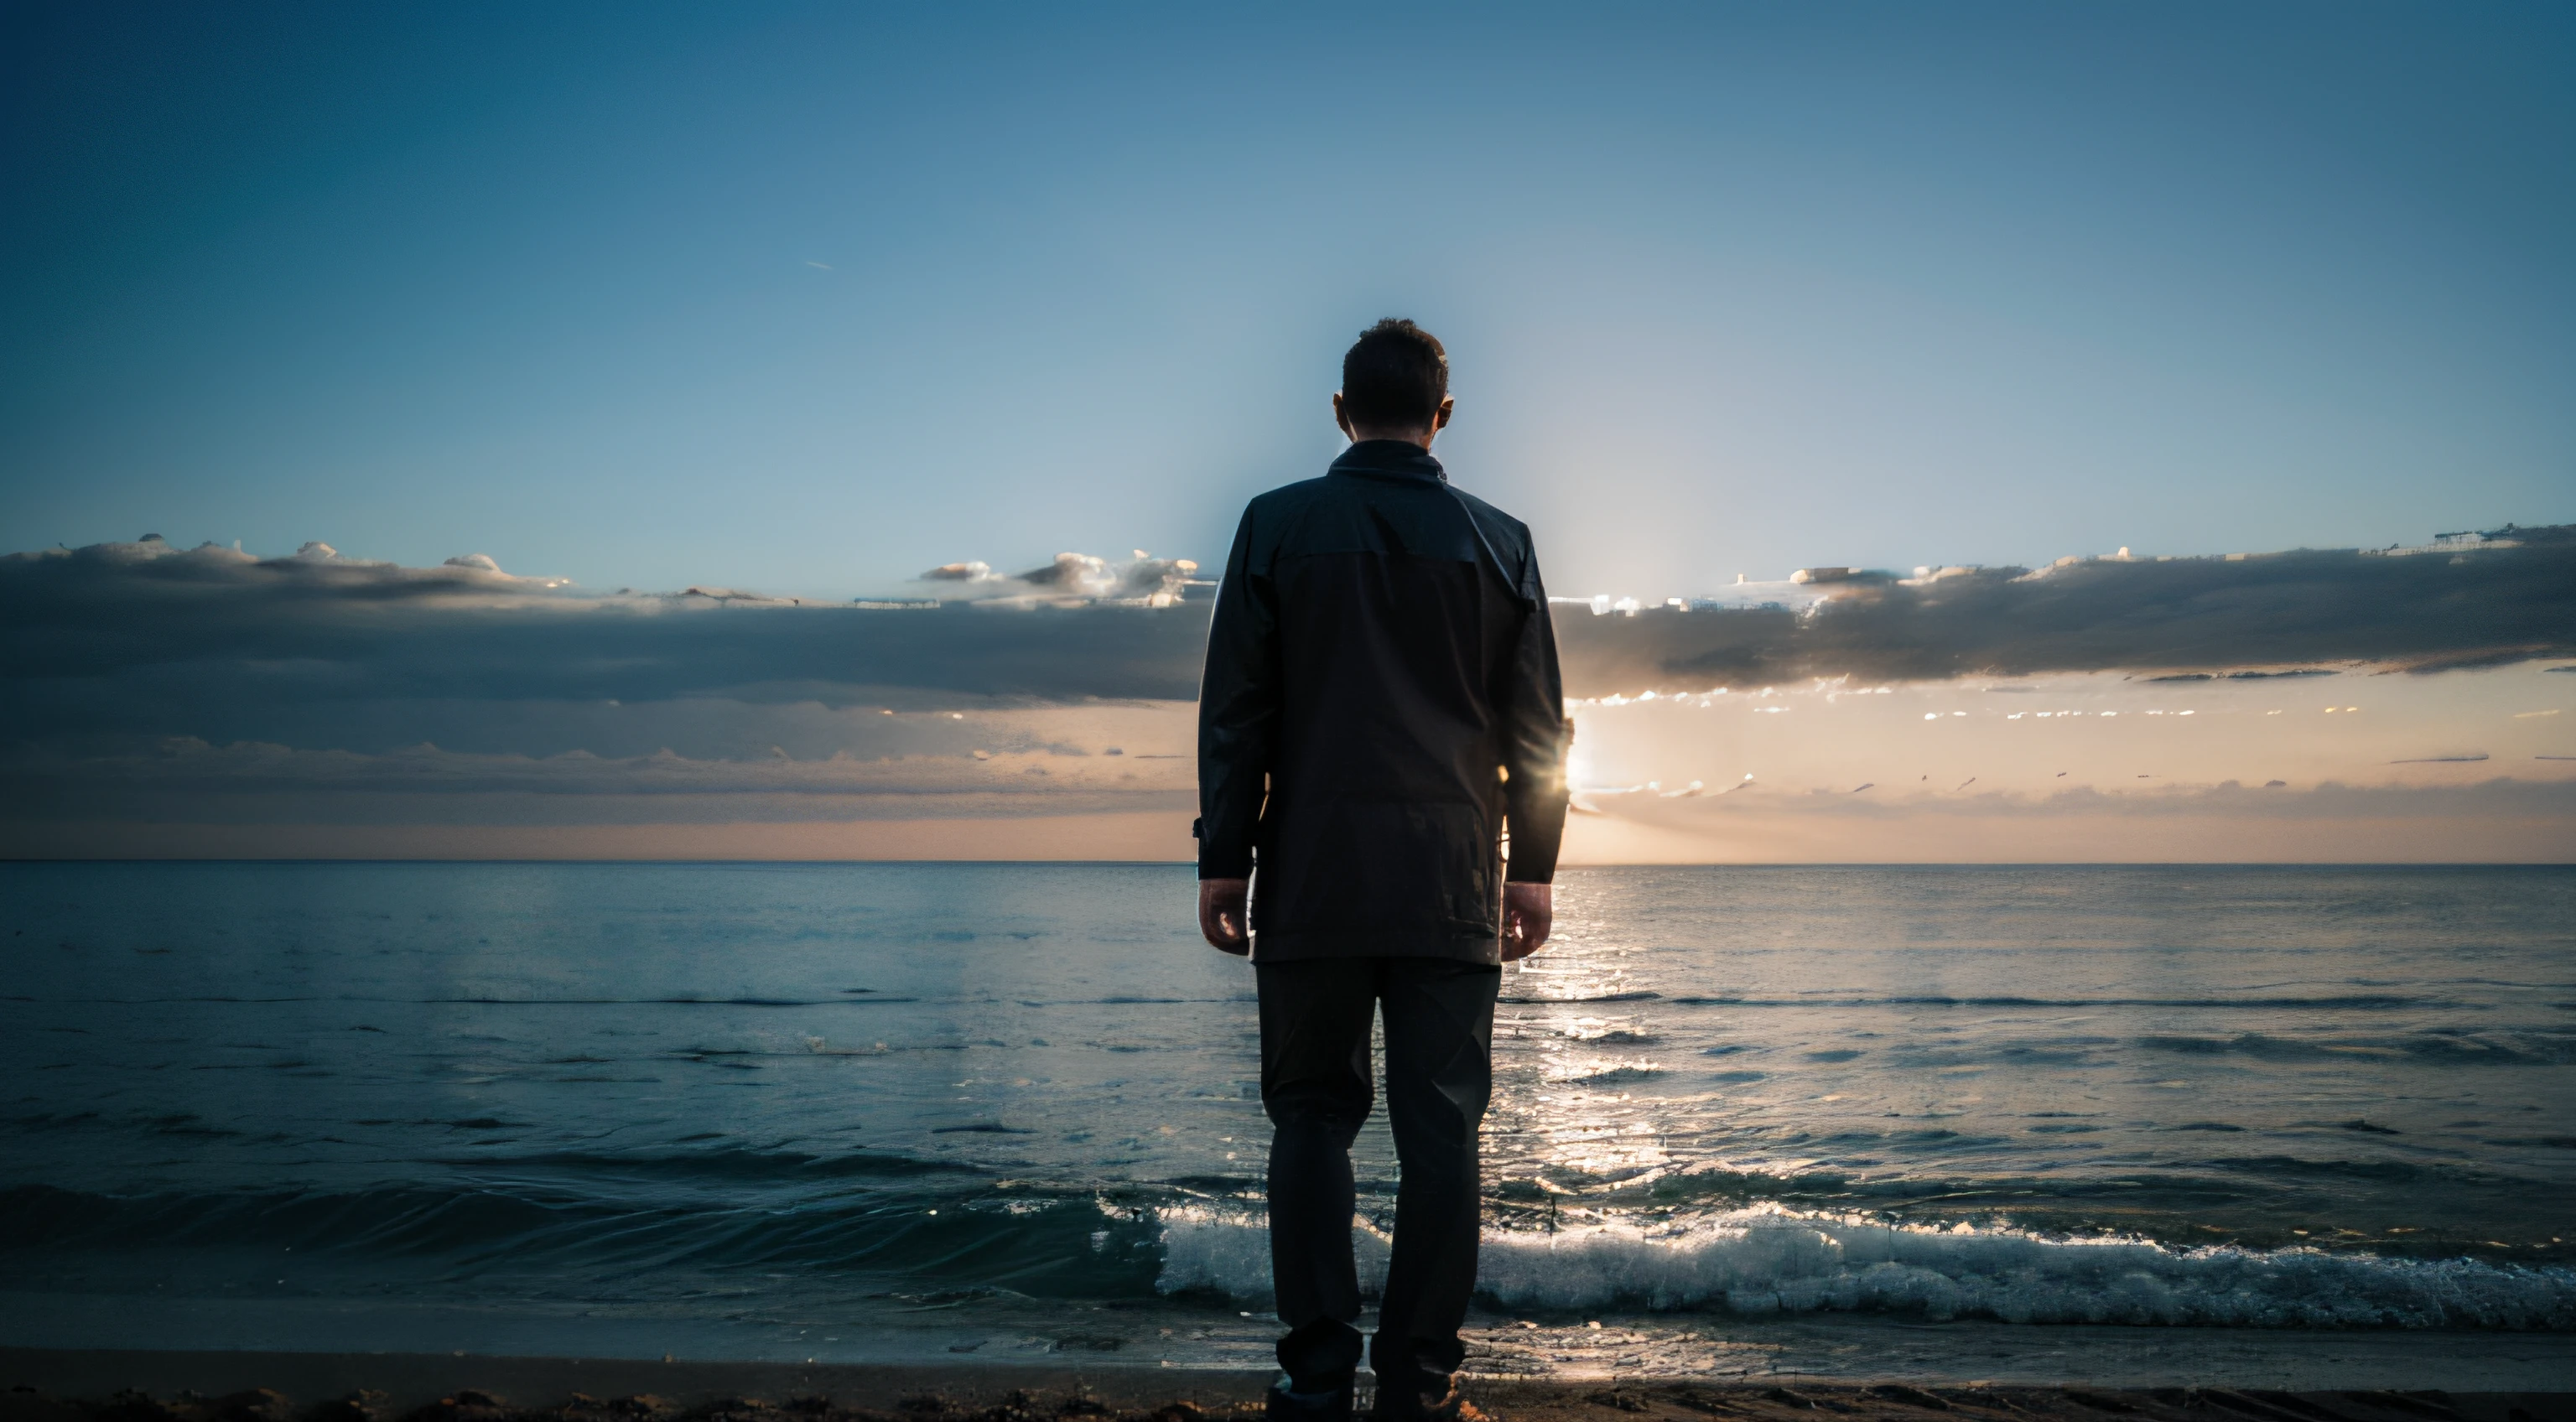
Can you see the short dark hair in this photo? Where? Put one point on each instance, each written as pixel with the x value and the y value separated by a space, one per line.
pixel 1394 376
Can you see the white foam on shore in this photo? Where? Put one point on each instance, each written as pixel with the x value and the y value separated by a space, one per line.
pixel 1769 1260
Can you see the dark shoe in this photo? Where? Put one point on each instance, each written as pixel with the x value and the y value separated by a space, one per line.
pixel 1281 1405
pixel 1454 1407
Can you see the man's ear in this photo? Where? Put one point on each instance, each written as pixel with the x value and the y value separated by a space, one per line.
pixel 1440 419
pixel 1342 419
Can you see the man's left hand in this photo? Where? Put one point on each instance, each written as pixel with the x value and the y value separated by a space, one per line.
pixel 1223 918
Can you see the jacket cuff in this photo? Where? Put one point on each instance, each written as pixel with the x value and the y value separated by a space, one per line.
pixel 1538 833
pixel 1218 861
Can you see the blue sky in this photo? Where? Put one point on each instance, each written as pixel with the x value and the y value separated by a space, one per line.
pixel 809 298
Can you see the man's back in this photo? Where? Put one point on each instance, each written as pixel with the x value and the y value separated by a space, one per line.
pixel 1381 700
pixel 1381 657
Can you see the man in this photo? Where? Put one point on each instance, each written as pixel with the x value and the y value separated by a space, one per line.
pixel 1381 709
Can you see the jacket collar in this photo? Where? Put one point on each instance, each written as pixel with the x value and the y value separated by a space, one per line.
pixel 1390 459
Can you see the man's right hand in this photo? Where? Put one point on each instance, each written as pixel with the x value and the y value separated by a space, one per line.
pixel 1224 919
pixel 1529 914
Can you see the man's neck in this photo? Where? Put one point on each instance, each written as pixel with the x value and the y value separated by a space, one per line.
pixel 1419 439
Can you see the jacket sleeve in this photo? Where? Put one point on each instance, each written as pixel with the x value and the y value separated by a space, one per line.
pixel 1238 713
pixel 1534 744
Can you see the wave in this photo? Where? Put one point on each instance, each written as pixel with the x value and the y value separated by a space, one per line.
pixel 1772 1260
pixel 2440 1046
pixel 1066 1245
pixel 979 1232
pixel 715 1165
pixel 229 1000
pixel 2356 1002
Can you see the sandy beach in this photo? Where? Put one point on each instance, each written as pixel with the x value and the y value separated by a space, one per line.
pixel 47 1385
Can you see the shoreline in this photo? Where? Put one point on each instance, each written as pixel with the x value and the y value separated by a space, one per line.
pixel 331 1350
pixel 129 1385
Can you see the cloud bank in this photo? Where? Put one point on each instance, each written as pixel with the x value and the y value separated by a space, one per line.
pixel 209 701
pixel 2469 603
pixel 145 639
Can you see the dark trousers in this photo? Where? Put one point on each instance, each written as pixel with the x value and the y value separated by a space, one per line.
pixel 1315 1085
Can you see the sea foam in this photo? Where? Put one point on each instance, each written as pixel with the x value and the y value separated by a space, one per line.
pixel 1768 1259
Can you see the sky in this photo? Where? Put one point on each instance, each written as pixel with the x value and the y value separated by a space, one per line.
pixel 806 299
pixel 520 396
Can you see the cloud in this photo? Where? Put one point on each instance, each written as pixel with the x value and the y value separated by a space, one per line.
pixel 2509 600
pixel 1071 578
pixel 142 638
pixel 263 701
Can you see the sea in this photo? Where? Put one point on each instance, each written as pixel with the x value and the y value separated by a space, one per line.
pixel 1745 1119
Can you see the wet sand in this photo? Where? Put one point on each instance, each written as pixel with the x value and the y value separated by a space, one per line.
pixel 65 1385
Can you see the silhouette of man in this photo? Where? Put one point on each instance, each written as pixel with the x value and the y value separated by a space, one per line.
pixel 1381 709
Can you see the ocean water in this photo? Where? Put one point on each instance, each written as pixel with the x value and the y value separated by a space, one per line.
pixel 996 1111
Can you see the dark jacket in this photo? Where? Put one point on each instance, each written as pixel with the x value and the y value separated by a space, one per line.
pixel 1381 703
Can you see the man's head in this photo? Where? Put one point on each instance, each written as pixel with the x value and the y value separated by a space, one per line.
pixel 1395 385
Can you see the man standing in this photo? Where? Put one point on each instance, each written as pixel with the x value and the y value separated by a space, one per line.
pixel 1381 710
